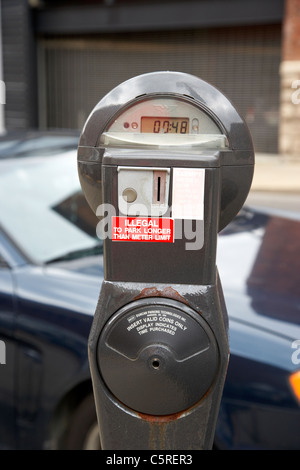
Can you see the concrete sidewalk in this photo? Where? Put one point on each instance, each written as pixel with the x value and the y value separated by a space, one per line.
pixel 275 173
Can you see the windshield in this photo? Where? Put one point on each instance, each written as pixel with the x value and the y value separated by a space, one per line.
pixel 17 146
pixel 42 207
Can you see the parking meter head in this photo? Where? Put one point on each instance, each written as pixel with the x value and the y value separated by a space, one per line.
pixel 169 112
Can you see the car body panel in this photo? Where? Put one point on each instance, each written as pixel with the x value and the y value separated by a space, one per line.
pixel 54 314
pixel 260 272
pixel 7 369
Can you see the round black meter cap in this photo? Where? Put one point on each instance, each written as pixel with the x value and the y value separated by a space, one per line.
pixel 157 356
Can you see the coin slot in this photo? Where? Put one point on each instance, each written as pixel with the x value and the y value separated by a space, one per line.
pixel 159 187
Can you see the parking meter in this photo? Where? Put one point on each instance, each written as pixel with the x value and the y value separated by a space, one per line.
pixel 165 161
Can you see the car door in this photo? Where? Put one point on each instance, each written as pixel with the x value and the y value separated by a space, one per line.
pixel 7 357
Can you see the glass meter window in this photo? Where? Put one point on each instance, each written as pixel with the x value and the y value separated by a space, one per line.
pixel 164 121
pixel 165 125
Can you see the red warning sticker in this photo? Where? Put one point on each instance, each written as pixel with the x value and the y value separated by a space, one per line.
pixel 143 229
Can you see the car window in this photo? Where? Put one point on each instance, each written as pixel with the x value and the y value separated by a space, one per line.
pixel 3 263
pixel 42 207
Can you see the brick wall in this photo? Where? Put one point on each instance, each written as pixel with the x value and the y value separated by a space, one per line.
pixel 289 130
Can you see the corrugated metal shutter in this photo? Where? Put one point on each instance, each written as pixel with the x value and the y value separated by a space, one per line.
pixel 242 62
pixel 18 65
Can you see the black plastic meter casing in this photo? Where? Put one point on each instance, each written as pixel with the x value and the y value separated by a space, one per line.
pixel 162 389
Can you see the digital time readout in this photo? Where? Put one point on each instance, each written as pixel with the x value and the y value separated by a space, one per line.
pixel 165 125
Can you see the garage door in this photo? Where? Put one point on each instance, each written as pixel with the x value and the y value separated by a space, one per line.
pixel 243 63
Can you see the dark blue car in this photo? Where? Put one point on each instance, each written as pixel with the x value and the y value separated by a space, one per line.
pixel 50 276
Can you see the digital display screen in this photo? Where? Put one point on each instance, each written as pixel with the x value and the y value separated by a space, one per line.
pixel 165 125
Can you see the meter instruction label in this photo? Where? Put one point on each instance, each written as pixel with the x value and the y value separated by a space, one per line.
pixel 143 229
pixel 188 193
pixel 154 320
